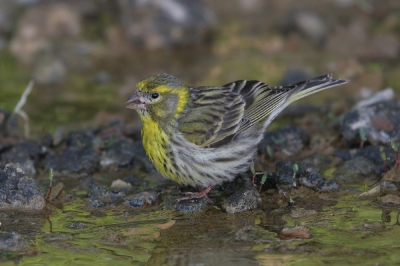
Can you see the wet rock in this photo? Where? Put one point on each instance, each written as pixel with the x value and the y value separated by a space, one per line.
pixel 81 139
pixel 186 206
pixel 254 234
pixel 138 200
pixel 100 197
pixel 315 181
pixel 286 168
pixel 317 162
pixel 281 181
pixel 306 176
pixel 244 199
pixel 299 232
pixel 74 161
pixel 192 206
pixel 389 200
pixel 371 153
pixel 380 122
pixel 79 159
pixel 26 153
pixel 154 24
pixel 118 156
pixel 328 186
pixel 288 141
pixel 18 191
pixel 355 170
pixel 12 241
pixel 301 213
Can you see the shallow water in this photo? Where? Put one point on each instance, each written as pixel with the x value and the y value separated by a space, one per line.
pixel 349 231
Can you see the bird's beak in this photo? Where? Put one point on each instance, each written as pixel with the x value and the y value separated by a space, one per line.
pixel 136 102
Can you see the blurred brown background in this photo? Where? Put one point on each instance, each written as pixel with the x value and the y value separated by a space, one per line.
pixel 86 56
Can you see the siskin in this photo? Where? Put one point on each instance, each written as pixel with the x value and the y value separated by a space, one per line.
pixel 203 136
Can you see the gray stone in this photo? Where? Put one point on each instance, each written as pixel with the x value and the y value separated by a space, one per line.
pixel 157 24
pixel 380 122
pixel 18 191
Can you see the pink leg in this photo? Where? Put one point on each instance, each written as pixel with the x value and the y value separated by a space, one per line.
pixel 198 195
pixel 253 180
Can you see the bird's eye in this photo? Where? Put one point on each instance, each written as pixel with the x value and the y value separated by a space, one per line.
pixel 155 95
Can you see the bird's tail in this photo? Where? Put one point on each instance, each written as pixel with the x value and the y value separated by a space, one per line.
pixel 303 89
pixel 306 88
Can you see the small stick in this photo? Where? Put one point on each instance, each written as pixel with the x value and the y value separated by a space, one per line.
pixel 18 108
pixel 51 184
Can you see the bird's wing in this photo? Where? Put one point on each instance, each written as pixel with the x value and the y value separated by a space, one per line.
pixel 261 99
pixel 213 114
pixel 218 114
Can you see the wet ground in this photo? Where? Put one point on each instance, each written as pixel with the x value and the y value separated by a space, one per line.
pixel 109 206
pixel 333 230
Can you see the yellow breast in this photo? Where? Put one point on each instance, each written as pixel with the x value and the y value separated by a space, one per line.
pixel 156 143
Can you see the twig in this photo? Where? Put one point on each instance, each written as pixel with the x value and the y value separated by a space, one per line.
pixel 18 108
pixel 51 184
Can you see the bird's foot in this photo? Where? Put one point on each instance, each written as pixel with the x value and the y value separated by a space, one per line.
pixel 198 195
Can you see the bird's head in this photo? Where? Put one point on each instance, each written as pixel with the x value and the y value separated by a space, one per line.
pixel 160 96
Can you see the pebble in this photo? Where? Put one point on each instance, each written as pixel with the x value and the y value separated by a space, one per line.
pixel 297 232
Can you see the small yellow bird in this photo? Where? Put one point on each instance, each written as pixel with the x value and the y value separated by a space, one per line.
pixel 203 136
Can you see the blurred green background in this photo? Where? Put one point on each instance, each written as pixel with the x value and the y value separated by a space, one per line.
pixel 86 56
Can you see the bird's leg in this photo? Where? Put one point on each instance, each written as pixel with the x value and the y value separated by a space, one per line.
pixel 254 176
pixel 198 195
pixel 254 172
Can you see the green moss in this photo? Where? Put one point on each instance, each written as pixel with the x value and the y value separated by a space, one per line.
pixel 13 81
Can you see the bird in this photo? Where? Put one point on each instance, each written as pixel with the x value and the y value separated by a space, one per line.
pixel 202 136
